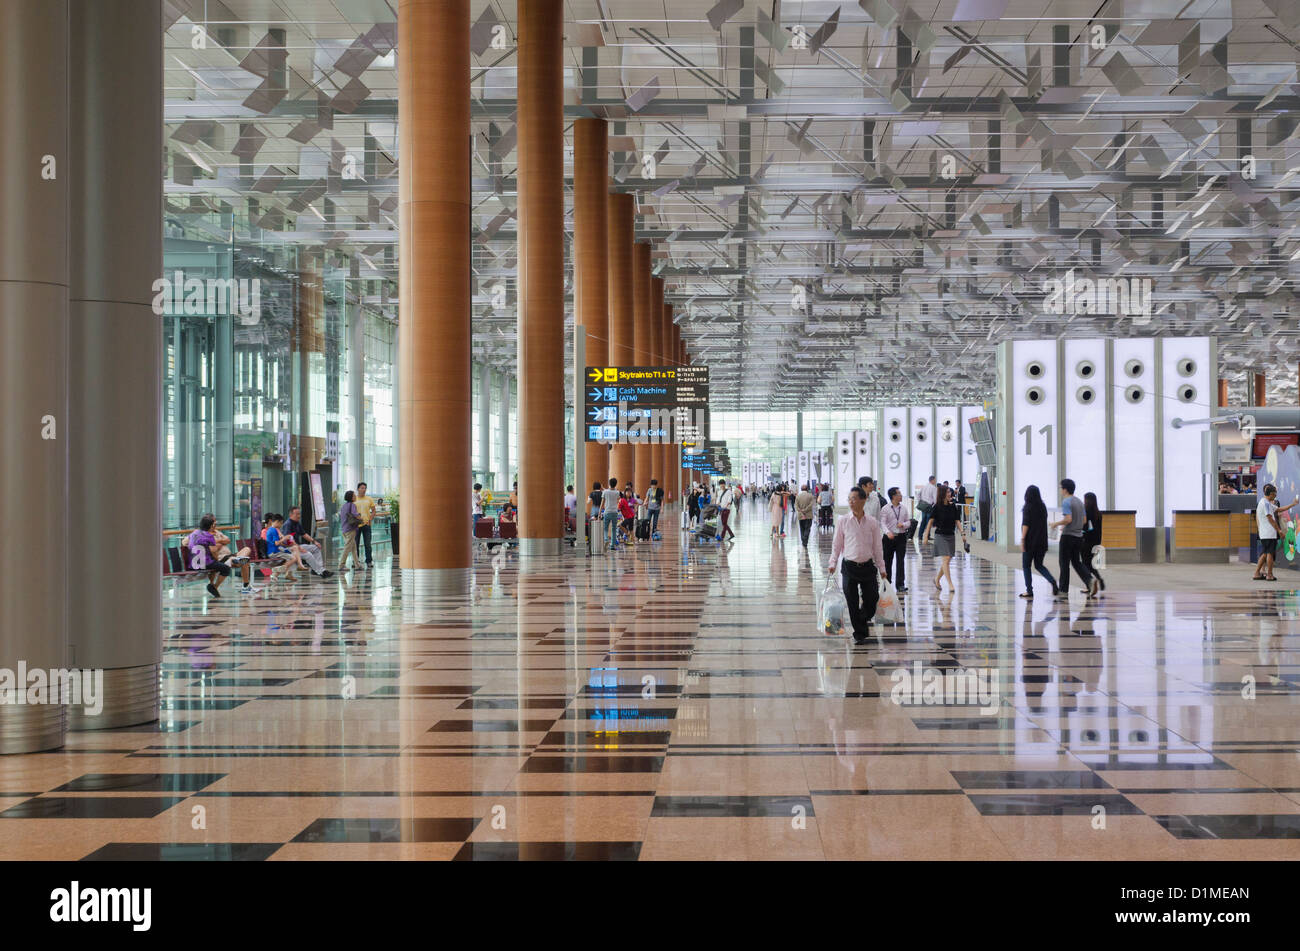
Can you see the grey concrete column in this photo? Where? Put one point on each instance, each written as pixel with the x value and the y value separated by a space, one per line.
pixel 485 423
pixel 356 378
pixel 34 166
pixel 115 350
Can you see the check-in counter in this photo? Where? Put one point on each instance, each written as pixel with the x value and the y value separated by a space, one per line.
pixel 1207 537
pixel 1119 536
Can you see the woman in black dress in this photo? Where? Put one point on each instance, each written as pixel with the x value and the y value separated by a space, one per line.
pixel 1091 539
pixel 1033 540
pixel 944 524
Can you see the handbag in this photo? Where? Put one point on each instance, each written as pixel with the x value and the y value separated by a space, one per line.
pixel 887 605
pixel 1098 556
pixel 832 609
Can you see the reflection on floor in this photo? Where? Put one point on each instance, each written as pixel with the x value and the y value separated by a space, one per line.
pixel 677 701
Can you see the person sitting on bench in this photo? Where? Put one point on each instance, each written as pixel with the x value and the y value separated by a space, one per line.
pixel 306 546
pixel 204 544
pixel 279 551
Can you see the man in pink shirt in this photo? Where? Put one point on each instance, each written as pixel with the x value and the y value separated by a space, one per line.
pixel 857 539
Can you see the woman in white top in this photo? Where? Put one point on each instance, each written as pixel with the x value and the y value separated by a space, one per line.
pixel 777 506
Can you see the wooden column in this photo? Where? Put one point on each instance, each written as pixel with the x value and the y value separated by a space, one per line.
pixel 1223 392
pixel 653 334
pixel 541 276
pixel 640 344
pixel 666 458
pixel 591 263
pixel 1259 389
pixel 433 93
pixel 622 461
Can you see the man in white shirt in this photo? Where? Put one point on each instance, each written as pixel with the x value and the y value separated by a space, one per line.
pixel 1269 530
pixel 874 502
pixel 895 519
pixel 857 539
pixel 725 500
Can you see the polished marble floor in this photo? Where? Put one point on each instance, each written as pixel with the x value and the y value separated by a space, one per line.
pixel 677 701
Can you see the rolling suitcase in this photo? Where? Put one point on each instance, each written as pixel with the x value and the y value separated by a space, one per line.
pixel 643 529
pixel 709 529
pixel 595 537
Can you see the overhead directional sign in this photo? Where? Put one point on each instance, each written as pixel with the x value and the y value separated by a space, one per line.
pixel 646 404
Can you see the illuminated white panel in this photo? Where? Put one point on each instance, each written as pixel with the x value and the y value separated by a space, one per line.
pixel 947 443
pixel 864 459
pixel 970 462
pixel 1133 415
pixel 895 449
pixel 803 467
pixel 1186 379
pixel 843 466
pixel 921 439
pixel 1084 377
pixel 1032 440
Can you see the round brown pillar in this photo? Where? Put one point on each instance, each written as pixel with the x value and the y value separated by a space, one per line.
pixel 641 308
pixel 622 458
pixel 591 264
pixel 1223 392
pixel 1259 389
pixel 433 94
pixel 541 276
pixel 670 483
pixel 653 335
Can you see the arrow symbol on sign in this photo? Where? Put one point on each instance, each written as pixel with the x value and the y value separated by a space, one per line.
pixel 596 374
pixel 594 395
pixel 596 413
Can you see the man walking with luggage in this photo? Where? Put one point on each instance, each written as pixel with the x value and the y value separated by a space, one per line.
pixel 925 502
pixel 725 500
pixel 857 539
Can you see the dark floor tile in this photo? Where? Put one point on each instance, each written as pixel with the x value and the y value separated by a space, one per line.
pixel 1029 779
pixel 549 852
pixel 91 807
pixel 387 830
pixel 730 806
pixel 184 852
pixel 1232 827
pixel 1053 804
pixel 491 726
pixel 244 681
pixel 424 690
pixel 199 705
pixel 140 782
pixel 510 703
pixel 593 764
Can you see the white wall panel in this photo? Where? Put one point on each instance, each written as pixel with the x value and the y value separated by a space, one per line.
pixel 1133 425
pixel 1083 379
pixel 1033 442
pixel 895 449
pixel 1186 382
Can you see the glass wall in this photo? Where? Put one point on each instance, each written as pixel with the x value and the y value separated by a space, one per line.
pixel 772 436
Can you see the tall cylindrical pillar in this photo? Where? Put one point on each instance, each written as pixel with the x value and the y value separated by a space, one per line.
pixel 654 356
pixel 115 363
pixel 591 264
pixel 541 276
pixel 356 448
pixel 622 458
pixel 641 308
pixel 666 358
pixel 34 419
pixel 433 103
pixel 1259 390
pixel 1223 392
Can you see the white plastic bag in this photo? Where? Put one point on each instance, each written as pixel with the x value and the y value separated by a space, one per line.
pixel 1098 556
pixel 887 606
pixel 832 609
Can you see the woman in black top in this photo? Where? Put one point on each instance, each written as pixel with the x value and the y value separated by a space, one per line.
pixel 943 524
pixel 1091 539
pixel 693 506
pixel 1033 540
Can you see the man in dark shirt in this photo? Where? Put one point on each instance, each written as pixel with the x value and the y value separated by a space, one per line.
pixel 307 546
